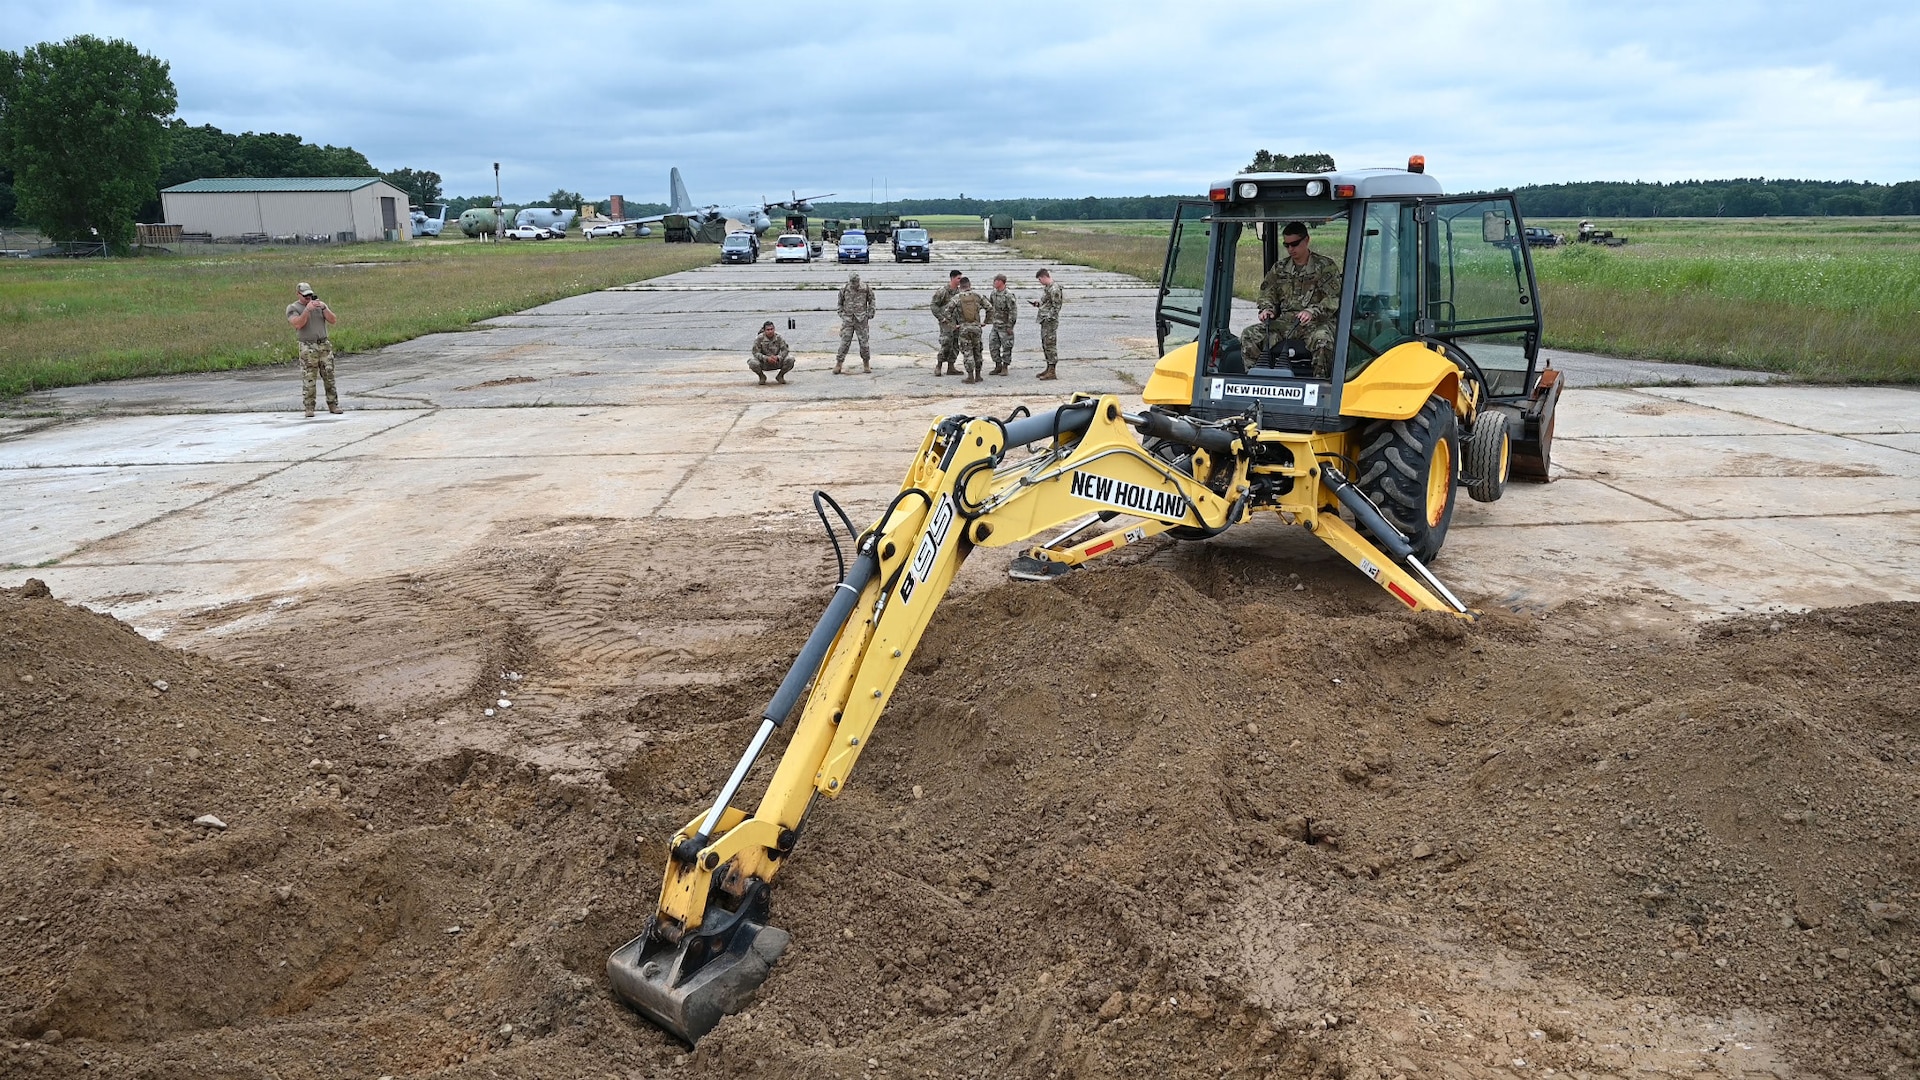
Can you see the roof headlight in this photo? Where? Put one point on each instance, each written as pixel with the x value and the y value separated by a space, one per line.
pixel 1316 187
pixel 1248 189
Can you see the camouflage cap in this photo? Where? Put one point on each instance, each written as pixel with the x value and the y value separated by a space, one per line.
pixel 304 289
pixel 853 279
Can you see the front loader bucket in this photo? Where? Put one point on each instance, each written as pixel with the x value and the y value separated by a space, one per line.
pixel 687 993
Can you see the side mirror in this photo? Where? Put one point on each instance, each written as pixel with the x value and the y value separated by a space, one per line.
pixel 1495 227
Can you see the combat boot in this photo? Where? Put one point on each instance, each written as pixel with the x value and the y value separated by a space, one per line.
pixel 763 378
pixel 838 370
pixel 1047 374
pixel 781 378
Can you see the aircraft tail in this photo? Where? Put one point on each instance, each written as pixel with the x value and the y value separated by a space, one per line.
pixel 679 201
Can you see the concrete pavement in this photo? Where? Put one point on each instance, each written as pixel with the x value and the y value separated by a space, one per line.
pixel 151 498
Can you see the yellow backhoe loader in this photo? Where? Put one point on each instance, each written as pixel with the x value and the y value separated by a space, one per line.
pixel 1438 332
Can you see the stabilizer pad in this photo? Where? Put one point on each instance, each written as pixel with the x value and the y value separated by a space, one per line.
pixel 1029 568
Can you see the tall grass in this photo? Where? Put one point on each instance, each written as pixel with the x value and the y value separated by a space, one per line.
pixel 68 322
pixel 1823 299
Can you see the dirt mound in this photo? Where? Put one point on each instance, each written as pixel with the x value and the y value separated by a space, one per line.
pixel 1174 818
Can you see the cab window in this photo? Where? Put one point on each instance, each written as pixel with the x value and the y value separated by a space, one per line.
pixel 1477 273
pixel 1386 289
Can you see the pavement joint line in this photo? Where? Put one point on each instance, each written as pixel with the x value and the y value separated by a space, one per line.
pixel 224 492
pixel 704 458
pixel 1684 516
pixel 1685 520
pixel 1769 419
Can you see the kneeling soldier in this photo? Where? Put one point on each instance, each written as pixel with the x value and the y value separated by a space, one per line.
pixel 770 353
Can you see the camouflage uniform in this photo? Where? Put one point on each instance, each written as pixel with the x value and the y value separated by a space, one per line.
pixel 942 296
pixel 1286 291
pixel 856 314
pixel 1052 298
pixel 770 354
pixel 316 359
pixel 966 310
pixel 1003 310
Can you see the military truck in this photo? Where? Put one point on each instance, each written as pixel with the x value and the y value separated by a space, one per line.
pixel 997 227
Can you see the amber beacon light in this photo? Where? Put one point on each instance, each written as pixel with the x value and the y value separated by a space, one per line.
pixel 1417 163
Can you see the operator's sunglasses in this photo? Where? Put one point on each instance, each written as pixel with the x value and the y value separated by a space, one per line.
pixel 1291 244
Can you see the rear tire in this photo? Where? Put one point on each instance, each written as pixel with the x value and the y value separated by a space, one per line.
pixel 1409 468
pixel 1489 456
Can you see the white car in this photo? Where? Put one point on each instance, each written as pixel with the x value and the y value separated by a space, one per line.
pixel 792 247
pixel 528 232
pixel 604 230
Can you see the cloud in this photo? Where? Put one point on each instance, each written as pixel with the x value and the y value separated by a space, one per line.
pixel 1003 99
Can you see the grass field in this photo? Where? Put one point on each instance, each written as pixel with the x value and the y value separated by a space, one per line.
pixel 1824 299
pixel 65 322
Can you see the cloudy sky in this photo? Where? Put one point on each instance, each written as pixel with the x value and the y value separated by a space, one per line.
pixel 1045 99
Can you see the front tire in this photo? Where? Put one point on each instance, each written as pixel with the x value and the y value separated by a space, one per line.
pixel 1489 456
pixel 1409 468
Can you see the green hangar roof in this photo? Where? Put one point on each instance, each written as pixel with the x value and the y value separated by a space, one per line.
pixel 284 183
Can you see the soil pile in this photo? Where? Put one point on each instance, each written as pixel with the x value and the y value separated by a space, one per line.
pixel 1172 818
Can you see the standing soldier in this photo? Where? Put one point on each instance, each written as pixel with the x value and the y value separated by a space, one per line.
pixel 856 313
pixel 311 317
pixel 1002 311
pixel 941 296
pixel 966 310
pixel 1052 297
pixel 770 353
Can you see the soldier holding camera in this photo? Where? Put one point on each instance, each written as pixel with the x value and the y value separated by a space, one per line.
pixel 311 317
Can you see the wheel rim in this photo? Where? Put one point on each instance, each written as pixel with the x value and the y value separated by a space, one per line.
pixel 1439 483
pixel 1506 456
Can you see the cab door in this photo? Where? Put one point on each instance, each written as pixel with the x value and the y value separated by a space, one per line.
pixel 1480 291
pixel 1178 315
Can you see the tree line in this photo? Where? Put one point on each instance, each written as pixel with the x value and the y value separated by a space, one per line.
pixel 1756 197
pixel 88 139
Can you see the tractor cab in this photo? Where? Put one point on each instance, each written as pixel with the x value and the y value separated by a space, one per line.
pixel 1451 274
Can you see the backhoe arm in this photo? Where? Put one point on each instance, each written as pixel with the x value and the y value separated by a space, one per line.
pixel 708 945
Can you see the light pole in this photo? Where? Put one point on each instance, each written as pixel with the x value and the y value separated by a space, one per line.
pixel 499 212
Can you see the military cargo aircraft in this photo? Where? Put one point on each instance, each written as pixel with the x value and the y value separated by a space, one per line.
pixel 479 221
pixel 546 217
pixel 755 216
pixel 482 221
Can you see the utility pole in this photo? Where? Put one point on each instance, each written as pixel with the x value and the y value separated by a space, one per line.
pixel 499 211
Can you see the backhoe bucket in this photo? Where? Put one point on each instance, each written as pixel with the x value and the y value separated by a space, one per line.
pixel 687 993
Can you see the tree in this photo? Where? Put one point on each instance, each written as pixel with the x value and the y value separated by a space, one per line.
pixel 1902 198
pixel 1290 163
pixel 83 126
pixel 564 199
pixel 422 187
